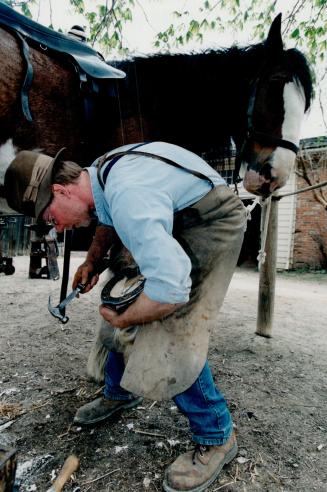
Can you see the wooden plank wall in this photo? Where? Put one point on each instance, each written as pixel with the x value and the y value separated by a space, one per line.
pixel 14 236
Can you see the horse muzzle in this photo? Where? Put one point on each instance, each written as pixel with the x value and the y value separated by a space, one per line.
pixel 260 184
pixel 263 178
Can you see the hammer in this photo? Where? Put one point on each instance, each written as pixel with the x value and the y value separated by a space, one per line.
pixel 58 311
pixel 70 466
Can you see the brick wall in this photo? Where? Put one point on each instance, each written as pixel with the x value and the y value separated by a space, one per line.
pixel 310 235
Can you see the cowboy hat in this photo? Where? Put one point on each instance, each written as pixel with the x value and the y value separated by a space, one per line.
pixel 28 182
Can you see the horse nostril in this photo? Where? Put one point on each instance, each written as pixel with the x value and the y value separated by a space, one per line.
pixel 265 190
pixel 266 172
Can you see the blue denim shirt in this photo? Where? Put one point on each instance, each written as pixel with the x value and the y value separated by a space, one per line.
pixel 140 198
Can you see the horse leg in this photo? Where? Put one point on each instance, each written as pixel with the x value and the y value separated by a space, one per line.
pixel 105 337
pixel 98 354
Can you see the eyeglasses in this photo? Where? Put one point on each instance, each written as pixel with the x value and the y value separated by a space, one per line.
pixel 51 221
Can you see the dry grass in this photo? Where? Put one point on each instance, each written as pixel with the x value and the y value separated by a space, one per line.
pixel 11 410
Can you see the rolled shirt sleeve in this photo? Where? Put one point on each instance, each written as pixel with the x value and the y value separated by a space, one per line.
pixel 144 220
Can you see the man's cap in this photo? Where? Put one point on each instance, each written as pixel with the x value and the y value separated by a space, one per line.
pixel 28 182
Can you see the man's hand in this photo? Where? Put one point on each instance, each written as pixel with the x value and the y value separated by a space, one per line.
pixel 143 310
pixel 86 274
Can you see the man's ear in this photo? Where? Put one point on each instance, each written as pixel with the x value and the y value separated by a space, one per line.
pixel 59 189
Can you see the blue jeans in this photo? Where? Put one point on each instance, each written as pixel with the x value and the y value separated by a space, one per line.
pixel 202 403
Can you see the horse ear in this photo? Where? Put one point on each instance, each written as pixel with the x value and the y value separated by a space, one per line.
pixel 274 42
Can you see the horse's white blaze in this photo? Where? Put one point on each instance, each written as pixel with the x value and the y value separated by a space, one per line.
pixel 294 109
pixel 7 155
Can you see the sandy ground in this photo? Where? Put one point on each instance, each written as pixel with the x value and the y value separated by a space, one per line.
pixel 276 389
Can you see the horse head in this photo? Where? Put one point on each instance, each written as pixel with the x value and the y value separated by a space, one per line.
pixel 280 95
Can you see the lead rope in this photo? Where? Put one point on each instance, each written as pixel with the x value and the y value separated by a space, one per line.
pixel 249 208
pixel 264 230
pixel 302 190
pixel 262 251
pixel 267 203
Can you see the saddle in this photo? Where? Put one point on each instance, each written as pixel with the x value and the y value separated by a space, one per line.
pixel 85 57
pixel 89 63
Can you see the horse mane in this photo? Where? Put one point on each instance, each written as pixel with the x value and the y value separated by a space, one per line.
pixel 244 58
pixel 196 94
pixel 302 73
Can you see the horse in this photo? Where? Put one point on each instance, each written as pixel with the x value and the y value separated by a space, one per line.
pixel 255 96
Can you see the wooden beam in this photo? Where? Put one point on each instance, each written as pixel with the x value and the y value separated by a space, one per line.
pixel 267 278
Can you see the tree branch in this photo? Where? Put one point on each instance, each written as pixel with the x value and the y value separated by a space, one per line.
pixel 305 176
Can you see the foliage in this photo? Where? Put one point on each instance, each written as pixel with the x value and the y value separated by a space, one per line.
pixel 106 23
pixel 21 5
pixel 305 25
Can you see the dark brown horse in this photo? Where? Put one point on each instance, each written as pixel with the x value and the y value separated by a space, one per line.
pixel 256 95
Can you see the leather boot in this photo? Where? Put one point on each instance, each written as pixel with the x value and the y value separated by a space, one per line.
pixel 101 409
pixel 195 470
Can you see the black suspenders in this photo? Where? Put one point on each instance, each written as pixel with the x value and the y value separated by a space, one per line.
pixel 113 158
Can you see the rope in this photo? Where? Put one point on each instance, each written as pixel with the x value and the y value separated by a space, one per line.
pixel 262 252
pixel 267 203
pixel 249 208
pixel 302 190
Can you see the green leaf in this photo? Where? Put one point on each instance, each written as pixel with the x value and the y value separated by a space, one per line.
pixel 204 24
pixel 78 5
pixel 91 16
pixel 26 11
pixel 194 26
pixel 102 10
pixel 295 33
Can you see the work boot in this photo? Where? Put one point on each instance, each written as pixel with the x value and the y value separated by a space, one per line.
pixel 101 409
pixel 195 470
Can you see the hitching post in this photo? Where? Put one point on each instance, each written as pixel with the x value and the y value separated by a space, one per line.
pixel 267 278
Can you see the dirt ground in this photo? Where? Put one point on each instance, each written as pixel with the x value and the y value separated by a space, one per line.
pixel 276 389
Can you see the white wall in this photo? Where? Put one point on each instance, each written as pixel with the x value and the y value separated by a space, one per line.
pixel 286 225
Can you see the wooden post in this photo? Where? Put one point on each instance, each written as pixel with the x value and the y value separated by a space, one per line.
pixel 65 275
pixel 267 279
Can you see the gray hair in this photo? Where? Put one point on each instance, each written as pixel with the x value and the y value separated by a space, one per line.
pixel 66 172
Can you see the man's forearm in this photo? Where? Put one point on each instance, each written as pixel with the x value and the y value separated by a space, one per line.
pixel 88 272
pixel 143 310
